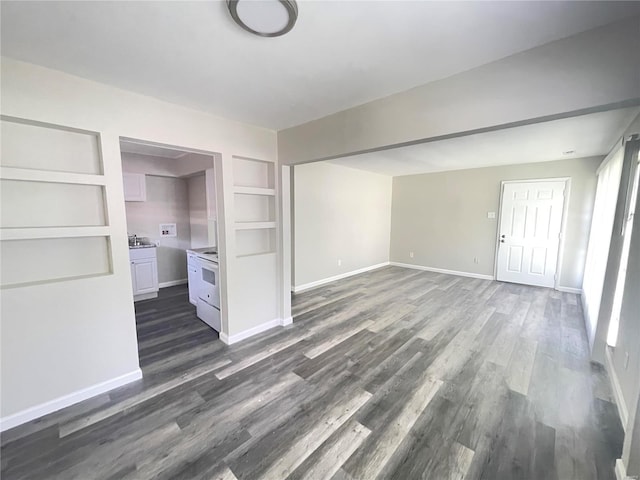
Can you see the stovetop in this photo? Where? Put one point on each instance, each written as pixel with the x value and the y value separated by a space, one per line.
pixel 207 253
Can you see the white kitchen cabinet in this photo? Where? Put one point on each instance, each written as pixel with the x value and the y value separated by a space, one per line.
pixel 193 274
pixel 144 273
pixel 135 187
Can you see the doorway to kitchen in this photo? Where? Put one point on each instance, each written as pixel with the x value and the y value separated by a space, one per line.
pixel 170 204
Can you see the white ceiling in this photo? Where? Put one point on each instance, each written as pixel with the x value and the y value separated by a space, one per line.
pixel 587 135
pixel 340 54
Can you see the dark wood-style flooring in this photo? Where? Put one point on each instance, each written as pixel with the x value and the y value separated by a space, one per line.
pixel 395 374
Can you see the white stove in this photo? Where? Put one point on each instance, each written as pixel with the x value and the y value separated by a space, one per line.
pixel 204 289
pixel 206 253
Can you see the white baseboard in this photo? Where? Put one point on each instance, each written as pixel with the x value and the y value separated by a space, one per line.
pixel 276 322
pixel 617 389
pixel 577 291
pixel 621 471
pixel 317 283
pixel 442 270
pixel 145 296
pixel 172 283
pixel 59 403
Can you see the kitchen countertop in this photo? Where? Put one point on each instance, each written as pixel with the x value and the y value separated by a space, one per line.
pixel 202 250
pixel 204 253
pixel 131 247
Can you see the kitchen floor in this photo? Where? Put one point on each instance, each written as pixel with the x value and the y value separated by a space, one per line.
pixel 396 374
pixel 167 326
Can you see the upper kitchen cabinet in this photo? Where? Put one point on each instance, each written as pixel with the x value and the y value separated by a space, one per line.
pixel 135 187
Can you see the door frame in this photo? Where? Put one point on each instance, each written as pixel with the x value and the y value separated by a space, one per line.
pixel 563 227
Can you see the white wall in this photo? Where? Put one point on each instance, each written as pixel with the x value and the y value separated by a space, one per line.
pixel 442 217
pixel 189 164
pixel 167 202
pixel 60 338
pixel 198 212
pixel 592 69
pixel 170 199
pixel 341 214
pixel 148 165
pixel 192 163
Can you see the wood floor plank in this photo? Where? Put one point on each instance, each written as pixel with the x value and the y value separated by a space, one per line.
pixel 225 474
pixel 83 422
pixel 337 339
pixel 325 462
pixel 458 461
pixel 311 440
pixel 520 365
pixel 253 359
pixel 371 457
pixel 391 374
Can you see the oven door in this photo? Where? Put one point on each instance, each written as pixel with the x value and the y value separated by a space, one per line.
pixel 209 283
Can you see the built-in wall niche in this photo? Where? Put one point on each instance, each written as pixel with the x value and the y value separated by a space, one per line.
pixel 54 215
pixel 255 241
pixel 253 174
pixel 254 208
pixel 27 204
pixel 40 147
pixel 26 262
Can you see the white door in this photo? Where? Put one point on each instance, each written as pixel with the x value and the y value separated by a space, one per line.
pixel 529 232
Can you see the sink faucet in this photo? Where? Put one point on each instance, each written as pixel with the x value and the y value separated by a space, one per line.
pixel 133 240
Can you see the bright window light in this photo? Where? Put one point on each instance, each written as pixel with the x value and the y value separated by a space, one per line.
pixel 614 324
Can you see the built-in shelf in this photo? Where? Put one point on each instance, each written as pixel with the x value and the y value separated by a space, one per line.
pixel 33 233
pixel 254 225
pixel 250 173
pixel 50 176
pixel 258 254
pixel 255 191
pixel 254 207
pixel 255 241
pixel 55 210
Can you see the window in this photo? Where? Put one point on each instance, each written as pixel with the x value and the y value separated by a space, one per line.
pixel 627 227
pixel 600 236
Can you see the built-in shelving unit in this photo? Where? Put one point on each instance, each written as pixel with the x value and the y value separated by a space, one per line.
pixel 254 207
pixel 54 211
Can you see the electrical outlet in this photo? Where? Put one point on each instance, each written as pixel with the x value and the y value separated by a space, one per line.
pixel 168 230
pixel 475 260
pixel 339 262
pixel 411 254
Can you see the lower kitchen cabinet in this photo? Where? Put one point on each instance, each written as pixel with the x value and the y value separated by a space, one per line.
pixel 144 273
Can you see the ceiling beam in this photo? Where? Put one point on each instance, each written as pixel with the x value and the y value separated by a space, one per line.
pixel 593 71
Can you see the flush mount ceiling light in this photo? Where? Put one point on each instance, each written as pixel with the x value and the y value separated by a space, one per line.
pixel 267 18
